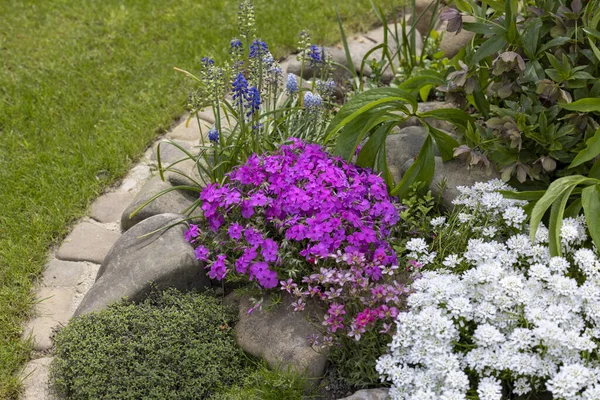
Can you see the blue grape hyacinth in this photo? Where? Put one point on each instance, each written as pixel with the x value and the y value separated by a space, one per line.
pixel 213 135
pixel 292 84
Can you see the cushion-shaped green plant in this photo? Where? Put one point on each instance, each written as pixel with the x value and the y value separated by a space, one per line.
pixel 172 346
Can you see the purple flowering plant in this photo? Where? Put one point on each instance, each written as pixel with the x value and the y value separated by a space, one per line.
pixel 300 221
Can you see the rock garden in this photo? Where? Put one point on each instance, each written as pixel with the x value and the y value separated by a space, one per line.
pixel 412 214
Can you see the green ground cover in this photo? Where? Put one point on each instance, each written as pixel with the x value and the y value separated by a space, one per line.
pixel 84 88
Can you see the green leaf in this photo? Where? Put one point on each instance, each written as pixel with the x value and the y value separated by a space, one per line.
pixel 574 209
pixel 355 131
pixel 368 153
pixel 457 117
pixel 590 200
pixel 484 29
pixel 445 143
pixel 382 97
pixel 555 222
pixel 424 92
pixel 421 170
pixel 594 48
pixel 531 38
pixel 492 46
pixel 559 41
pixel 533 195
pixel 417 82
pixel 584 105
pixel 592 32
pixel 592 149
pixel 481 102
pixel 595 170
pixel 554 191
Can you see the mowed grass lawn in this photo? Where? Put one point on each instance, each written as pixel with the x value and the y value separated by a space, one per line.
pixel 85 86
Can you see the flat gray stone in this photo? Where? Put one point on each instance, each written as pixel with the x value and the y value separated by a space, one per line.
pixel 87 242
pixel 164 259
pixel 60 273
pixel 175 201
pixel 35 380
pixel 279 336
pixel 402 147
pixel 54 309
pixel 369 394
pixel 186 173
pixel 170 153
pixel 109 207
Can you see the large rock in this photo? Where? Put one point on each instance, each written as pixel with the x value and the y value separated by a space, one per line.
pixel 450 175
pixel 174 201
pixel 452 42
pixel 164 259
pixel 169 152
pixel 279 336
pixel 436 123
pixel 369 394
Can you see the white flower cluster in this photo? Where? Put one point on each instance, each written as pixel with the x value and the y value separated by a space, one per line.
pixel 516 320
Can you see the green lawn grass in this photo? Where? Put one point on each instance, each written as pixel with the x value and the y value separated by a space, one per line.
pixel 85 86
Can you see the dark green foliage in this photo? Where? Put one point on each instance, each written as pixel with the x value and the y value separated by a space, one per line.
pixel 355 361
pixel 172 346
pixel 266 384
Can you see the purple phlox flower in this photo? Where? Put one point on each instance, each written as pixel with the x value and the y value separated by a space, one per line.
pixel 292 84
pixel 213 135
pixel 217 268
pixel 258 199
pixel 357 151
pixel 201 253
pixel 253 101
pixel 215 221
pixel 235 231
pixel 257 269
pixel 191 233
pixel 374 272
pixel 239 88
pixel 253 236
pixel 258 49
pixel 247 209
pixel 269 250
pixel 242 263
pixel 267 279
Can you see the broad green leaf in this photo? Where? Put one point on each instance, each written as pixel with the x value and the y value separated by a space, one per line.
pixel 492 46
pixel 592 32
pixel 445 143
pixel 457 117
pixel 531 38
pixel 424 92
pixel 592 149
pixel 595 170
pixel 368 153
pixel 382 166
pixel 584 105
pixel 590 199
pixel 559 41
pixel 484 29
pixel 533 195
pixel 417 82
pixel 353 133
pixel 574 209
pixel 421 170
pixel 383 97
pixel 554 191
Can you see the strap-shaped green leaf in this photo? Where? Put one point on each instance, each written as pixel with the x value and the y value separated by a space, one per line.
pixel 380 97
pixel 554 191
pixel 457 117
pixel 590 199
pixel 555 222
pixel 492 46
pixel 417 82
pixel 588 104
pixel 592 150
pixel 367 157
pixel 445 143
pixel 421 170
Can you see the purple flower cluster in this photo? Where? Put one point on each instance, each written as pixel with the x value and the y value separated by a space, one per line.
pixel 301 204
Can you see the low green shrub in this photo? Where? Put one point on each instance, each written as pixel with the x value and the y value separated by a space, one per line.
pixel 172 346
pixel 266 384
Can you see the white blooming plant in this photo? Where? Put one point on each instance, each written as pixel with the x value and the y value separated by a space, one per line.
pixel 498 318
